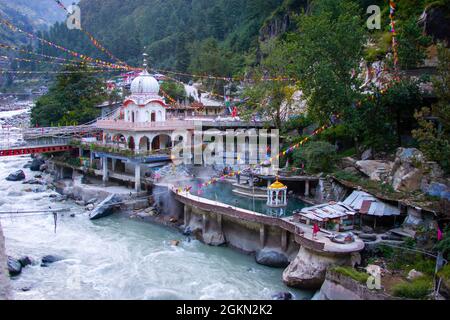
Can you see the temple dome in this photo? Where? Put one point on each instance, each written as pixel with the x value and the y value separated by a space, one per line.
pixel 145 84
pixel 277 185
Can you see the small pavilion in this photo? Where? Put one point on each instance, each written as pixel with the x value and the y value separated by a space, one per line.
pixel 277 195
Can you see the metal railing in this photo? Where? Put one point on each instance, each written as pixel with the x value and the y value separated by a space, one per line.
pixel 161 125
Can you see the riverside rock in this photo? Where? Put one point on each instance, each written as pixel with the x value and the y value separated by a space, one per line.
pixel 105 208
pixel 272 258
pixel 282 296
pixel 16 176
pixel 14 267
pixel 308 269
pixel 49 259
pixel 36 164
pixel 25 261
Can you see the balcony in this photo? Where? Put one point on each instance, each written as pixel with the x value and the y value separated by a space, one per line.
pixel 168 125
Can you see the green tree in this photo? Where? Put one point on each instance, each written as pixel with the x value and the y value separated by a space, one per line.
pixel 325 54
pixel 269 99
pixel 317 156
pixel 433 133
pixel 72 99
pixel 412 44
pixel 174 90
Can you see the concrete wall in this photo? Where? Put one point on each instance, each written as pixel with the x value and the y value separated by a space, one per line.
pixel 250 237
pixel 340 287
pixel 143 114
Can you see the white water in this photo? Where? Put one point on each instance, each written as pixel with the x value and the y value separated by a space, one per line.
pixel 119 258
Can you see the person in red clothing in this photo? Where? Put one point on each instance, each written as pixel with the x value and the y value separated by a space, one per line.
pixel 316 230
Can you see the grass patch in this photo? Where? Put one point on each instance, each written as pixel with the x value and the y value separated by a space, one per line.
pixel 445 273
pixel 405 261
pixel 352 273
pixel 419 288
pixel 347 153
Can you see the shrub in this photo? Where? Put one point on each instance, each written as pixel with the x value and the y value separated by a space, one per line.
pixel 318 156
pixel 352 273
pixel 419 288
pixel 445 272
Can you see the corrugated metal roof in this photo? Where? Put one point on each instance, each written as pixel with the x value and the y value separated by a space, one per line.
pixel 383 209
pixel 327 211
pixel 367 204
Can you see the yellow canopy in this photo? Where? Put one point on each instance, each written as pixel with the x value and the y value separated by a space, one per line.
pixel 277 185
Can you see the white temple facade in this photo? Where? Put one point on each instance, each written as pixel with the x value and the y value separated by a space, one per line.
pixel 141 124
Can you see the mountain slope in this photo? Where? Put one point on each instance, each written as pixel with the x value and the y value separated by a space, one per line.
pixel 30 15
pixel 171 29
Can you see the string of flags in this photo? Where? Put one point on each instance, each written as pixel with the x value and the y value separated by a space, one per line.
pixel 220 78
pixel 94 41
pixel 73 64
pixel 166 95
pixel 8 47
pixel 212 181
pixel 56 46
pixel 3 71
pixel 392 8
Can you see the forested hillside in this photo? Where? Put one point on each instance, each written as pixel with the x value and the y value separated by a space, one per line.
pixel 30 15
pixel 175 31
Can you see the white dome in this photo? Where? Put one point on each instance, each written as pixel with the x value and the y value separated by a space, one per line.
pixel 145 84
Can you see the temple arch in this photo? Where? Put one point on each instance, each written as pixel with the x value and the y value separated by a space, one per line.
pixel 144 144
pixel 131 143
pixel 162 141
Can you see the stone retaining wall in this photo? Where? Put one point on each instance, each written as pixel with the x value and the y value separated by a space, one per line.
pixel 340 287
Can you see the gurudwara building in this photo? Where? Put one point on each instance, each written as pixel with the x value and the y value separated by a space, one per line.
pixel 144 129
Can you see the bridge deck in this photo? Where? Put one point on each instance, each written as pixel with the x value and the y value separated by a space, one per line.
pixel 25 150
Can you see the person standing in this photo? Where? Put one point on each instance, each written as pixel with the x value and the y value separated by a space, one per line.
pixel 316 230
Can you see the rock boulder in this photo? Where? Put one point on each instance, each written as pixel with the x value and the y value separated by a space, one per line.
pixel 16 176
pixel 307 271
pixel 407 171
pixel 367 155
pixel 14 267
pixel 36 164
pixel 272 258
pixel 375 170
pixel 105 208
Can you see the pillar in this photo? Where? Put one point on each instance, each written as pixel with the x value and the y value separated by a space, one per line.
pixel 262 236
pixel 92 157
pixel 187 215
pixel 137 177
pixel 204 223
pixel 80 152
pixel 105 169
pixel 284 240
pixel 219 221
pixel 113 165
pixel 307 188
